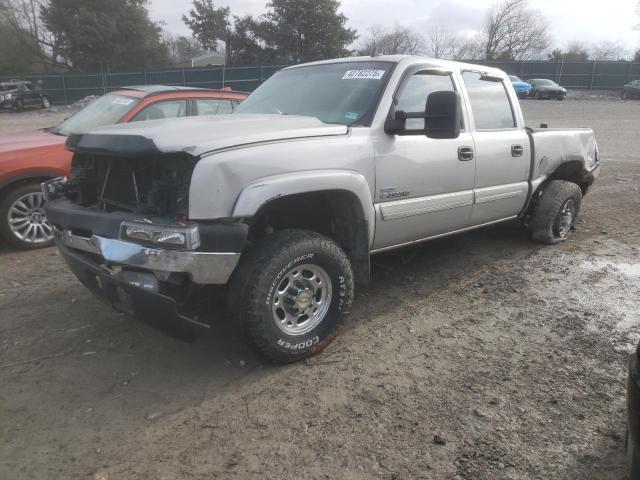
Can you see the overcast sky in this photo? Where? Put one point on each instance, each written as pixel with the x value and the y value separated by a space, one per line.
pixel 585 20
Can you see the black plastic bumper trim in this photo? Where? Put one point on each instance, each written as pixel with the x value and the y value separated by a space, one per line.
pixel 149 307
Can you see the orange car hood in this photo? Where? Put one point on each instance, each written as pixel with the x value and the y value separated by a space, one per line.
pixel 12 142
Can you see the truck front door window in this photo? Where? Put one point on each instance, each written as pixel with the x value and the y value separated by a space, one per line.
pixel 415 91
pixel 489 102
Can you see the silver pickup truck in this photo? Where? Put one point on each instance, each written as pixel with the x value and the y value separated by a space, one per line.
pixel 285 201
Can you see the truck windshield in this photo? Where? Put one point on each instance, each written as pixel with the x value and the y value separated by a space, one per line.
pixel 103 111
pixel 339 93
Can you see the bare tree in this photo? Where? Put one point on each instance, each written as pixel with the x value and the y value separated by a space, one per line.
pixel 607 50
pixel 515 31
pixel 576 51
pixel 397 40
pixel 442 42
pixel 469 48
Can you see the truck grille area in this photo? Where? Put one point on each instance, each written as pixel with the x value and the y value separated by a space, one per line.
pixel 150 185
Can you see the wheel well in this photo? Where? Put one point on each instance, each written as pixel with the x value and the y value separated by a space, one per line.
pixel 17 182
pixel 572 171
pixel 336 214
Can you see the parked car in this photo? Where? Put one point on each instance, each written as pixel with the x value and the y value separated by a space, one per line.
pixel 18 95
pixel 29 158
pixel 631 90
pixel 523 89
pixel 542 88
pixel 322 166
pixel 633 416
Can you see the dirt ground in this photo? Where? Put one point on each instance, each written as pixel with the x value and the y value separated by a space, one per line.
pixel 514 354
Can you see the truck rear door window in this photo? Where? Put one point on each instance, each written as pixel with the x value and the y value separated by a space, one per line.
pixel 489 102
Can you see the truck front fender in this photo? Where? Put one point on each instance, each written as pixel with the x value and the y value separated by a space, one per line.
pixel 260 192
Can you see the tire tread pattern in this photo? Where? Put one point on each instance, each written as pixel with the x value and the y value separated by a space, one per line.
pixel 546 212
pixel 246 302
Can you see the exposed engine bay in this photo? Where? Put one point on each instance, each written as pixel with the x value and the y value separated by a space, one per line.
pixel 156 184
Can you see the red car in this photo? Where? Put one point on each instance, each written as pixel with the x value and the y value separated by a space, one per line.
pixel 29 158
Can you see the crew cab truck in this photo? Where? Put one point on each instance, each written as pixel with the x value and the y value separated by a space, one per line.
pixel 285 201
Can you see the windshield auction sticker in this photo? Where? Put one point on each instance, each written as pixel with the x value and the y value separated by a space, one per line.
pixel 122 101
pixel 363 74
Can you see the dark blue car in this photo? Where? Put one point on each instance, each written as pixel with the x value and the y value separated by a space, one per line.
pixel 523 89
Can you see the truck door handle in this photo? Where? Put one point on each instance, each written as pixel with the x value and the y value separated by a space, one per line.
pixel 517 150
pixel 465 154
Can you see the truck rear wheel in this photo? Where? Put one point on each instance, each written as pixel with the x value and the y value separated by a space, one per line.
pixel 290 293
pixel 556 212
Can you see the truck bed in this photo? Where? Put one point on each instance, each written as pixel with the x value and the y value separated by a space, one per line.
pixel 574 147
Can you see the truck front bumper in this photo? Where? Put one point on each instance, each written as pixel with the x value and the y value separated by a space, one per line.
pixel 169 288
pixel 104 266
pixel 202 267
pixel 149 306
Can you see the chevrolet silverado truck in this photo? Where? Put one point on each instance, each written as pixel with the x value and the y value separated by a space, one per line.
pixel 282 204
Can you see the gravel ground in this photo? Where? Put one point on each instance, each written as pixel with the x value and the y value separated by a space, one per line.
pixel 32 119
pixel 511 355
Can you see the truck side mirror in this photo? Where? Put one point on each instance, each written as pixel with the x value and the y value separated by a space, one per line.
pixel 443 115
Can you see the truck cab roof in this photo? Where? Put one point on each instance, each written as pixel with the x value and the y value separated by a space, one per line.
pixel 409 60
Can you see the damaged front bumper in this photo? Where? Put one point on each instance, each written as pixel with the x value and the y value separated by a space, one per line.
pixel 205 268
pixel 165 287
pixel 147 305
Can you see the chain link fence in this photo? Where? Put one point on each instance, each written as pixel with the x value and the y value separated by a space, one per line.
pixel 69 87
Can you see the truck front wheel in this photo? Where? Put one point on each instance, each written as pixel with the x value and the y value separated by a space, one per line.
pixel 556 212
pixel 290 293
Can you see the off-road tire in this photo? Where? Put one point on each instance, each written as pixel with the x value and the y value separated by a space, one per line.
pixel 6 201
pixel 544 223
pixel 19 105
pixel 261 272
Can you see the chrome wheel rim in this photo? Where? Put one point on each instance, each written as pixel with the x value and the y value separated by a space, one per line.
pixel 301 300
pixel 46 103
pixel 28 220
pixel 566 218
